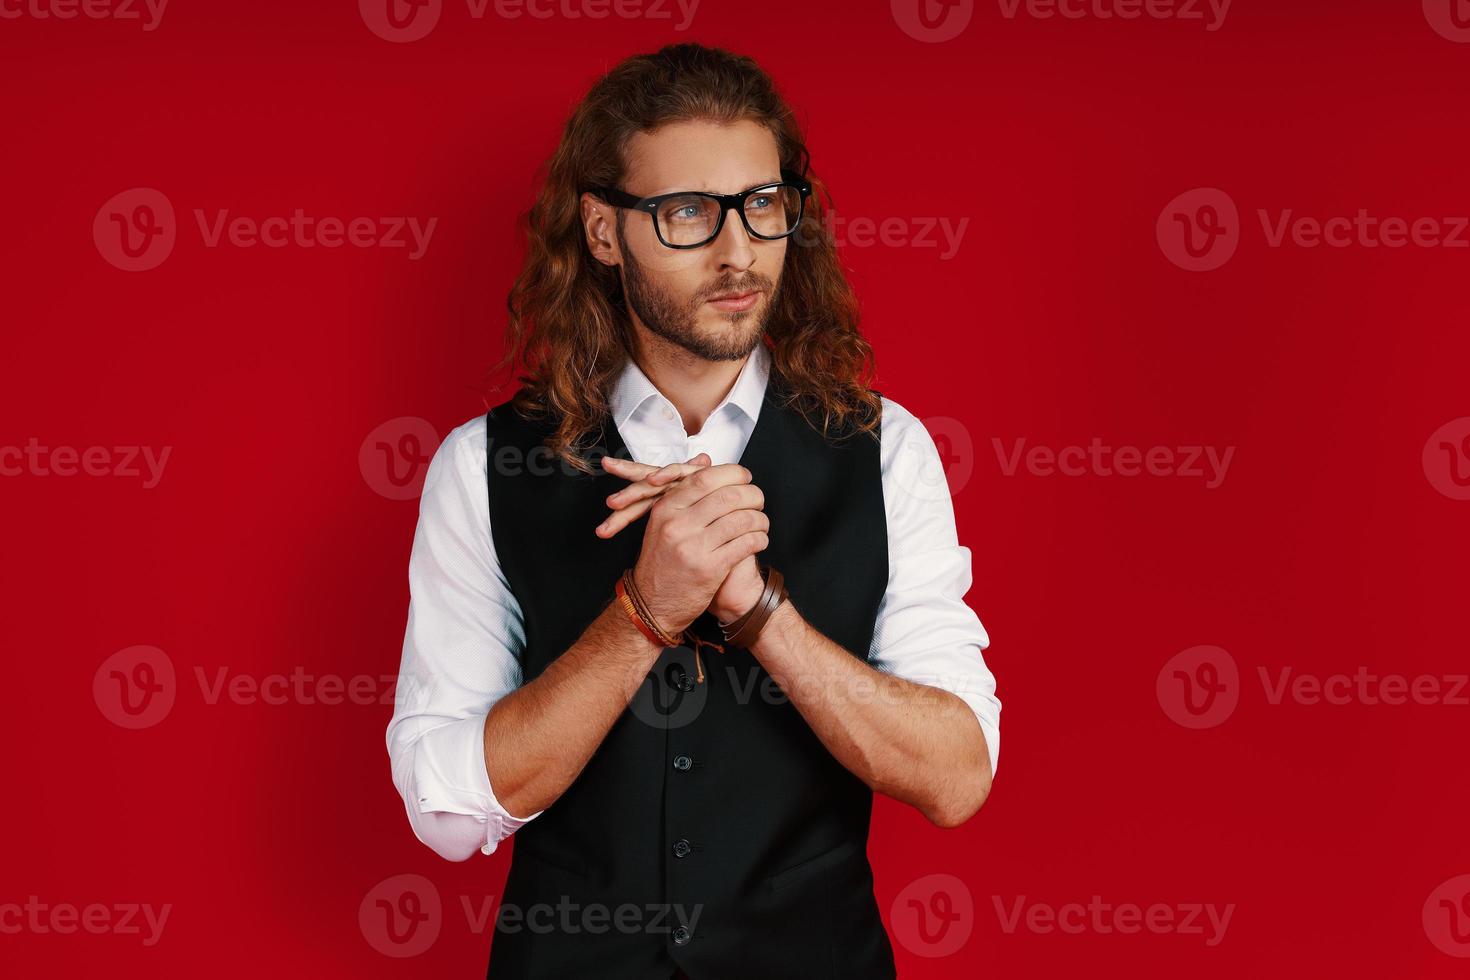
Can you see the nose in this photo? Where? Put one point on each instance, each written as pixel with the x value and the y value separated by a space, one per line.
pixel 732 247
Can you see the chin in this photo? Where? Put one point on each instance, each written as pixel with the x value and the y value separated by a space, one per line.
pixel 750 320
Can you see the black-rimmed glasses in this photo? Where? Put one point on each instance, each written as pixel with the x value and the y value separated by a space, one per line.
pixel 690 219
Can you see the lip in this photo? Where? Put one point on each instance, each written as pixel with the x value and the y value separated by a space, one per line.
pixel 734 304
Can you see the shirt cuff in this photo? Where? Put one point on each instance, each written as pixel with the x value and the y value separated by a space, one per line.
pixel 450 777
pixel 987 712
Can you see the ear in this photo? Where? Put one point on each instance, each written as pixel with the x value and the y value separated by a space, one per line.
pixel 598 219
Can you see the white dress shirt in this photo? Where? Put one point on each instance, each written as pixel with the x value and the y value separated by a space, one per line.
pixel 465 627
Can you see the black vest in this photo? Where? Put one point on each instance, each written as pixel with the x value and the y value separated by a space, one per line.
pixel 711 829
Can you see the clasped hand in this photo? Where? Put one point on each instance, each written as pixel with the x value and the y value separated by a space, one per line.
pixel 705 527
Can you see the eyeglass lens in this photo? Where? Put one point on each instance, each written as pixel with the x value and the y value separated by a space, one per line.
pixel 692 219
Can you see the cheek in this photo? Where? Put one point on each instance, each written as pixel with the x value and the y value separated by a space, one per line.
pixel 676 270
pixel 679 277
pixel 772 270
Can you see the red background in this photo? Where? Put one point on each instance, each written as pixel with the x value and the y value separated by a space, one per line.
pixel 263 549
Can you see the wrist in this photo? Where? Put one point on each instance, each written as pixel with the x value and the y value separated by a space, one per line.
pixel 626 623
pixel 744 594
pixel 661 620
pixel 635 605
pixel 747 628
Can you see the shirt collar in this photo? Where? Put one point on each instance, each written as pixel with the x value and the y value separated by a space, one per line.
pixel 632 388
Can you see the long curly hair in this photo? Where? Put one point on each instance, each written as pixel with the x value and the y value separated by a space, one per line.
pixel 569 327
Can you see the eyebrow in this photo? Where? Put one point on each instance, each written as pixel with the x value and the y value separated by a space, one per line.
pixel 705 190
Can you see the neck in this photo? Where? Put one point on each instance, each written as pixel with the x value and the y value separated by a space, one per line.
pixel 695 386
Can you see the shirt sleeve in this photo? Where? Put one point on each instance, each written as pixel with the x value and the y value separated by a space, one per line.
pixel 925 631
pixel 459 657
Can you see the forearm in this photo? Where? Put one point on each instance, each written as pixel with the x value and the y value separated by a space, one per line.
pixel 915 743
pixel 539 737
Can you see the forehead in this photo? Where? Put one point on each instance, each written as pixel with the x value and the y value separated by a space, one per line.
pixel 701 155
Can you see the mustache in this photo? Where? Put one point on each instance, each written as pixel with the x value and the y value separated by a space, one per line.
pixel 753 284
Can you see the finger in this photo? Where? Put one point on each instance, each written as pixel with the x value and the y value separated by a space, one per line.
pixel 656 479
pixel 697 486
pixel 678 470
pixel 726 500
pixel 627 468
pixel 632 502
pixel 634 470
pixel 633 493
pixel 739 549
pixel 622 518
pixel 734 524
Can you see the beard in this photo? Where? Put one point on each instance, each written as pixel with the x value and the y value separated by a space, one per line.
pixel 678 322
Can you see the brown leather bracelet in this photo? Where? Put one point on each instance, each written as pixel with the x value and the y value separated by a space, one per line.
pixel 735 625
pixel 631 609
pixel 747 629
pixel 637 608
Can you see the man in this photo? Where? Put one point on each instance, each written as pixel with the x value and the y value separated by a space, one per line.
pixel 684 602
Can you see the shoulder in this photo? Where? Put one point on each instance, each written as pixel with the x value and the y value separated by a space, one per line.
pixel 466 439
pixel 901 430
pixel 896 418
pixel 459 461
pixel 914 473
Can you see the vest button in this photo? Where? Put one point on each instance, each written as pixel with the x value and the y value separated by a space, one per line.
pixel 681 936
pixel 681 848
pixel 681 679
pixel 682 763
